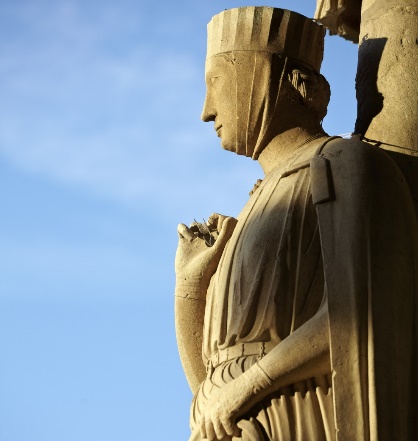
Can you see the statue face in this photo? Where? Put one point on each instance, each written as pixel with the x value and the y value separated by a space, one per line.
pixel 221 100
pixel 242 99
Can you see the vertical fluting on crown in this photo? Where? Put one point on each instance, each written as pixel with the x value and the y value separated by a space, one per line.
pixel 266 29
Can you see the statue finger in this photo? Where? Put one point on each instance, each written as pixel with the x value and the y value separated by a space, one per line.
pixel 219 429
pixel 210 431
pixel 184 232
pixel 230 427
pixel 213 220
pixel 225 233
pixel 216 221
pixel 221 221
pixel 203 428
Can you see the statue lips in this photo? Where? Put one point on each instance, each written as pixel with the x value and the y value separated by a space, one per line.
pixel 218 130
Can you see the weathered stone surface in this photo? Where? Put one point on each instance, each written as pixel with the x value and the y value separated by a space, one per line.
pixel 387 86
pixel 299 319
pixel 341 17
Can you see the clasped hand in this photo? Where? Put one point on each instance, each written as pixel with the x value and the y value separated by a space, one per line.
pixel 196 261
pixel 220 418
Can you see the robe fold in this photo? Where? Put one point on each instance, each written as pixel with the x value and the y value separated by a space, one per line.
pixel 369 242
pixel 337 223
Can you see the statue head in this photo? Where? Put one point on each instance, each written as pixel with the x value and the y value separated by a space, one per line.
pixel 261 61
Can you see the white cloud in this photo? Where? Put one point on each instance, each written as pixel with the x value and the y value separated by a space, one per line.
pixel 123 125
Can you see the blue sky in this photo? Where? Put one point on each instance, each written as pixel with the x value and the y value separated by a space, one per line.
pixel 102 154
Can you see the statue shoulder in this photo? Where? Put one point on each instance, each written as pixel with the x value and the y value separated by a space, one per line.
pixel 352 168
pixel 358 157
pixel 352 149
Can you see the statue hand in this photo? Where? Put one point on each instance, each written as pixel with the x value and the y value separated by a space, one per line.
pixel 219 420
pixel 196 262
pixel 221 411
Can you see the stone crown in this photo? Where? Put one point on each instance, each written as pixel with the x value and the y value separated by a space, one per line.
pixel 267 29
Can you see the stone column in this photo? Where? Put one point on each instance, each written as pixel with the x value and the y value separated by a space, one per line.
pixel 387 75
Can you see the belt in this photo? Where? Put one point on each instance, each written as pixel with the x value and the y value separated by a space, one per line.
pixel 239 350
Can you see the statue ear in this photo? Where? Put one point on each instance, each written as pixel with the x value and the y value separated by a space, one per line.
pixel 312 89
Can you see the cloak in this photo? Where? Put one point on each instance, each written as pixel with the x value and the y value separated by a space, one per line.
pixel 369 241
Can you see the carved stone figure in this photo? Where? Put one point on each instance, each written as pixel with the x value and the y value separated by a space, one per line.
pixel 298 320
pixel 341 17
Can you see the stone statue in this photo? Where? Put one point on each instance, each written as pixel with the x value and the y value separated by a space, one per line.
pixel 341 17
pixel 298 320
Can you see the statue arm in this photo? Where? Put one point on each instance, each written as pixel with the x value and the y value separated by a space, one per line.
pixel 195 265
pixel 189 315
pixel 303 354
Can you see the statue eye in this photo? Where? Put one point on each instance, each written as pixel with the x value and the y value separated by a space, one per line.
pixel 214 78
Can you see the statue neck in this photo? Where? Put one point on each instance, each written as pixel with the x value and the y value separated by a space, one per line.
pixel 285 144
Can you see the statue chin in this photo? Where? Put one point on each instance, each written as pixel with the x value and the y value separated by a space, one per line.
pixel 234 148
pixel 241 148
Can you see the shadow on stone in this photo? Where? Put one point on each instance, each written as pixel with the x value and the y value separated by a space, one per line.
pixel 369 99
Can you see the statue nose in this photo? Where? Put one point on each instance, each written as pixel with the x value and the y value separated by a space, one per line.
pixel 208 112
